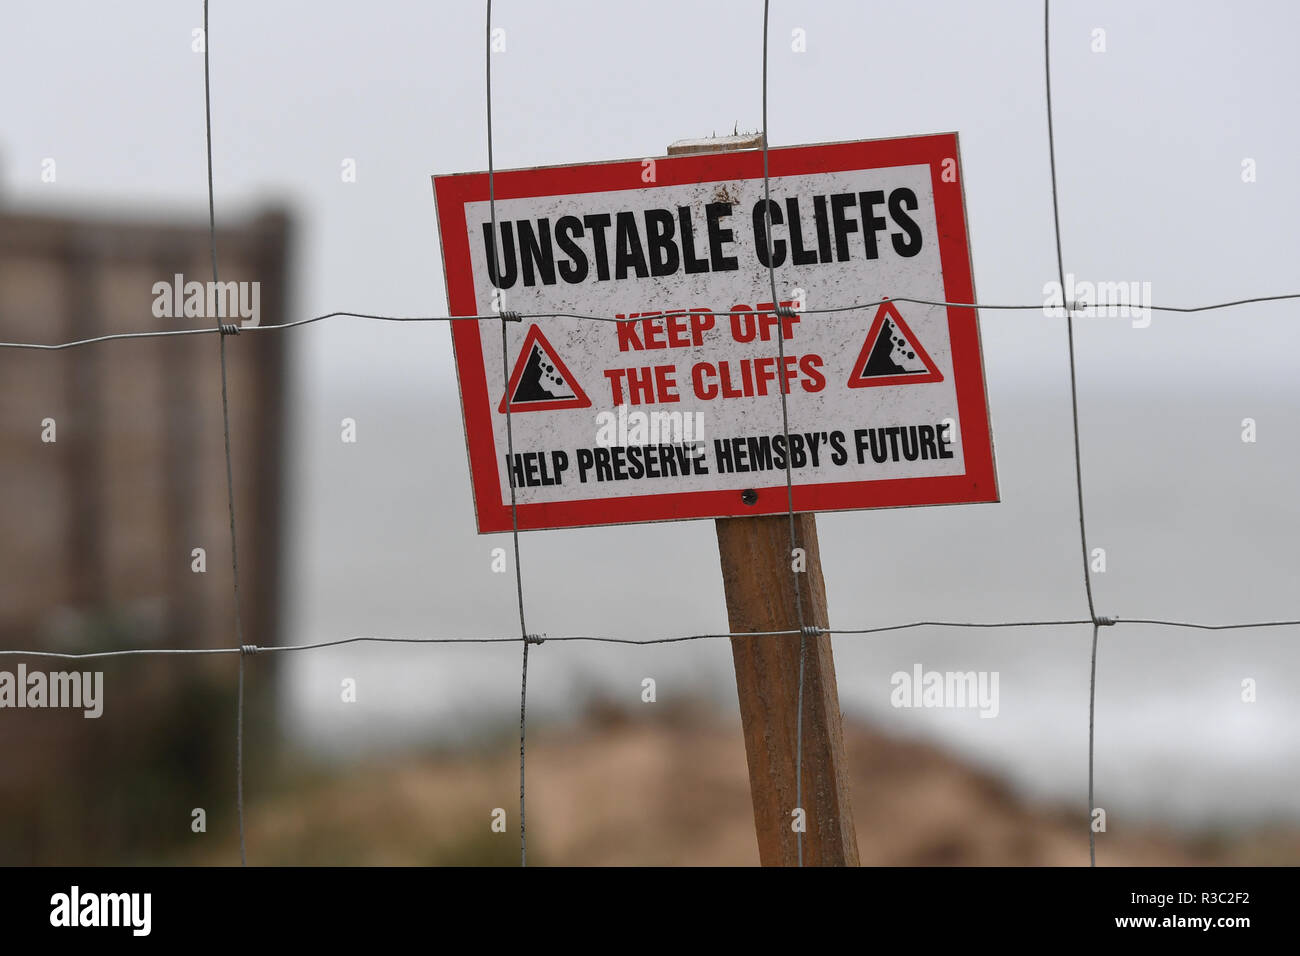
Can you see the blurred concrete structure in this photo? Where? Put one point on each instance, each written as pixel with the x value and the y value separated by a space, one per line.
pixel 98 527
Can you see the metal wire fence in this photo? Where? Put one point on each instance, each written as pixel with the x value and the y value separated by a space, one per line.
pixel 527 639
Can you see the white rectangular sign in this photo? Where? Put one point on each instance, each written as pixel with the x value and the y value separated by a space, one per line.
pixel 675 410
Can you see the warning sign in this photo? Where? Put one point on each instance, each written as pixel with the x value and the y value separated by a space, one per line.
pixel 540 380
pixel 893 355
pixel 673 409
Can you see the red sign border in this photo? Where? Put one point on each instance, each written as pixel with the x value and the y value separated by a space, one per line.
pixel 977 485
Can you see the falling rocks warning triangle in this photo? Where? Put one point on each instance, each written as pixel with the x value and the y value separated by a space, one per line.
pixel 892 355
pixel 540 381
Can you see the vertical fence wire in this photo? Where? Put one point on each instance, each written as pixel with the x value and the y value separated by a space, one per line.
pixel 510 445
pixel 230 477
pixel 1074 415
pixel 789 478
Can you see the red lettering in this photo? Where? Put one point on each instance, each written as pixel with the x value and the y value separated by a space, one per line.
pixel 700 324
pixel 742 323
pixel 651 331
pixel 677 335
pixel 703 391
pixel 666 383
pixel 627 336
pixel 728 390
pixel 791 372
pixel 615 376
pixel 811 366
pixel 640 386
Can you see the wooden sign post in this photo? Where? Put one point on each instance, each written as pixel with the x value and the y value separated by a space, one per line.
pixel 760 592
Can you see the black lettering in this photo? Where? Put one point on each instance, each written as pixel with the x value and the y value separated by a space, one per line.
pixel 507 278
pixel 688 458
pixel 668 462
pixel 560 461
pixel 598 223
pixel 799 256
pixel 628 253
pixel 692 264
pixel 892 432
pixel 797 457
pixel 635 466
pixel 911 449
pixel 823 228
pixel 843 226
pixel 926 433
pixel 567 230
pixel 722 452
pixel 761 236
pixel 912 245
pixel 740 451
pixel 871 223
pixel 659 229
pixel 535 252
pixel 862 443
pixel 839 455
pixel 879 453
pixel 813 441
pixel 718 236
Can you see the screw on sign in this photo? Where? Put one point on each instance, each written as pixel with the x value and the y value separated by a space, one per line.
pixel 850 404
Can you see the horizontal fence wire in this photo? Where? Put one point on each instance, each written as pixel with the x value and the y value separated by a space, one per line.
pixel 1047 308
pixel 1051 307
pixel 252 649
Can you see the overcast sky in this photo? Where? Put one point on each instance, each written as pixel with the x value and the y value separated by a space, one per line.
pixel 1151 139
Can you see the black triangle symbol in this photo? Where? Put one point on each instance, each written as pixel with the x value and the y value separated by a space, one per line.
pixel 540 380
pixel 892 354
pixel 881 362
